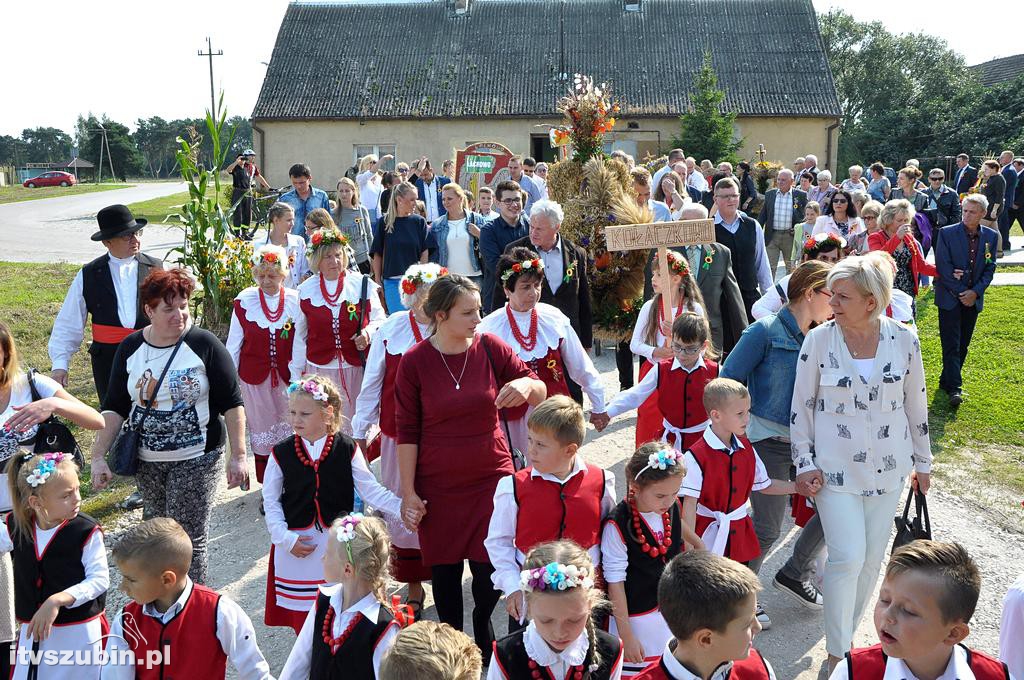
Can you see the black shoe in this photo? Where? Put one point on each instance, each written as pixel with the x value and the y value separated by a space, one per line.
pixel 804 592
pixel 956 397
pixel 133 502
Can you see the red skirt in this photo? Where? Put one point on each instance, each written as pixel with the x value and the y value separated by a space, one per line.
pixel 407 565
pixel 648 416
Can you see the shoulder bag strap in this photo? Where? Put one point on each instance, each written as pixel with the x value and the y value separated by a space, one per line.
pixel 160 381
pixel 32 384
pixel 363 304
pixel 921 504
pixel 490 362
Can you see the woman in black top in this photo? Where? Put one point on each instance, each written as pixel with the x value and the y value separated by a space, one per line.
pixel 993 186
pixel 748 190
pixel 400 240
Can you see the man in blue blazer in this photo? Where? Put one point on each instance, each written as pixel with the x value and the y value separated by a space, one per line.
pixel 965 255
pixel 429 185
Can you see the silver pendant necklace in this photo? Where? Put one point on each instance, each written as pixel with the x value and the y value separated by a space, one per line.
pixel 465 362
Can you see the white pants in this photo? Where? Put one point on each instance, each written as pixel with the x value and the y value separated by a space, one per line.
pixel 857 530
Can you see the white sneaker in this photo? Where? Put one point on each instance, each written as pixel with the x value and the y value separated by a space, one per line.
pixel 762 617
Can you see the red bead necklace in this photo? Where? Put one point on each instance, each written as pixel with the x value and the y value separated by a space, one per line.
pixel 335 643
pixel 300 451
pixel 530 341
pixel 274 316
pixel 661 312
pixel 538 672
pixel 332 299
pixel 415 327
pixel 645 547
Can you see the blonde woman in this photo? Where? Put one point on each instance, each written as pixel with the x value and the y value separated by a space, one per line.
pixel 401 240
pixel 282 218
pixel 458 234
pixel 340 311
pixel 370 186
pixel 353 219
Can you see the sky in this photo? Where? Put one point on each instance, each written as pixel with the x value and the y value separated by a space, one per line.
pixel 136 59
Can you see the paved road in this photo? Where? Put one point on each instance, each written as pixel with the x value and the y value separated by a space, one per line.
pixel 55 229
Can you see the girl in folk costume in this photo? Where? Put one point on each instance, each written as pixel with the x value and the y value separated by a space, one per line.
pixel 652 329
pixel 60 566
pixel 641 535
pixel 376 404
pixel 340 313
pixel 561 641
pixel 260 343
pixel 311 479
pixel 677 384
pixel 349 629
pixel 282 218
pixel 542 337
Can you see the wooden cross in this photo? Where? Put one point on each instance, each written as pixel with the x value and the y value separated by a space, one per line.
pixel 660 235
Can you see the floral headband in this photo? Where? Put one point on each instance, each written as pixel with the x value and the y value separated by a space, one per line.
pixel 346 531
pixel 662 460
pixel 322 238
pixel 818 241
pixel 678 265
pixel 310 387
pixel 519 267
pixel 555 576
pixel 46 467
pixel 417 275
pixel 269 255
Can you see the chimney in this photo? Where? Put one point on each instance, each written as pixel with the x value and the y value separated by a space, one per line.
pixel 461 7
pixel 632 5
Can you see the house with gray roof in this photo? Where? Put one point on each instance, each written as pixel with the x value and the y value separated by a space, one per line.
pixel 999 71
pixel 414 77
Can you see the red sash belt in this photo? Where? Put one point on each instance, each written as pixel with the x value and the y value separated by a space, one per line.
pixel 110 335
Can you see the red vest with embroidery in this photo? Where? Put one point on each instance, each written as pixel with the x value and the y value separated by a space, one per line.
pixel 259 355
pixel 869 664
pixel 187 644
pixel 751 668
pixel 728 481
pixel 549 511
pixel 681 396
pixel 551 370
pixel 321 345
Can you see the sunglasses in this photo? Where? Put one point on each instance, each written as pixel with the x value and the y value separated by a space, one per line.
pixel 838 201
pixel 936 179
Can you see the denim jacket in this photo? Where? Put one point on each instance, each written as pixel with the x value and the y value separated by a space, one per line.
pixel 765 361
pixel 440 229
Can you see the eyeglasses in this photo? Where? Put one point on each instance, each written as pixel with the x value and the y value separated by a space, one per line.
pixel 727 197
pixel 870 217
pixel 511 201
pixel 689 351
pixel 134 235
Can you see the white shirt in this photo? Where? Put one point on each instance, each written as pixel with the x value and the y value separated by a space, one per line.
pixel 430 199
pixel 370 189
pixel 298 267
pixel 234 632
pixel 772 300
pixel 21 395
pixel 366 485
pixel 69 326
pixel 297 666
pixel 638 344
pixel 694 480
pixel 896 669
pixel 1011 630
pixel 614 557
pixel 94 560
pixel 553 263
pixel 678 671
pixel 697 180
pixel 459 242
pixel 628 400
pixel 501 534
pixel 557 663
pixel 827 223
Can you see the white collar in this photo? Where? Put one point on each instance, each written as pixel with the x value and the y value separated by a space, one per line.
pixel 538 650
pixel 577 466
pixel 315 449
pixel 351 290
pixel 700 364
pixel 956 669
pixel 396 333
pixel 149 609
pixel 552 327
pixel 678 671
pixel 249 301
pixel 714 442
pixel 369 607
pixel 121 261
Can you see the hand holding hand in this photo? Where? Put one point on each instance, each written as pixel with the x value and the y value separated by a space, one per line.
pixel 414 509
pixel 599 421
pixel 808 483
pixel 958 274
pixel 968 298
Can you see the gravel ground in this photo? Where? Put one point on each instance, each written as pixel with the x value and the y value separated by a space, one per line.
pixel 239 546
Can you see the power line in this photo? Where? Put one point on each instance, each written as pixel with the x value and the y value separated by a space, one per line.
pixel 209 53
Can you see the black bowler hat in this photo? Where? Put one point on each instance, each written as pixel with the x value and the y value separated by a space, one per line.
pixel 117 220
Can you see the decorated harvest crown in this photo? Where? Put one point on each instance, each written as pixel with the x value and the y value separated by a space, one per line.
pixel 555 576
pixel 310 387
pixel 322 238
pixel 662 460
pixel 269 254
pixel 817 242
pixel 419 274
pixel 519 267
pixel 678 264
pixel 45 468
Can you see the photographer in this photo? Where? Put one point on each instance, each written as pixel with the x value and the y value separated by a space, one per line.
pixel 243 172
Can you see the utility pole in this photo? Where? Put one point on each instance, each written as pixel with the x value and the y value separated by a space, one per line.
pixel 209 53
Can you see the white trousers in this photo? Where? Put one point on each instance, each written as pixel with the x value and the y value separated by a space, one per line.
pixel 857 530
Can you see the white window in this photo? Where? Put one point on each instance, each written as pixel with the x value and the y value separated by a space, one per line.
pixel 378 150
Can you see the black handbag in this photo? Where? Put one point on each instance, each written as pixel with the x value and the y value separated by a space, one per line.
pixel 53 435
pixel 518 459
pixel 907 529
pixel 123 457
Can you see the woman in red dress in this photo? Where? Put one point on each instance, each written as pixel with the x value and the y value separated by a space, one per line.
pixel 451 451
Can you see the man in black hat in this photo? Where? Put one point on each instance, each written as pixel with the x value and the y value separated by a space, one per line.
pixel 107 289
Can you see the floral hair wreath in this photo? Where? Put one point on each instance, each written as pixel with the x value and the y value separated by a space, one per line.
pixel 815 243
pixel 555 576
pixel 310 387
pixel 269 254
pixel 520 267
pixel 346 531
pixel 678 265
pixel 662 460
pixel 417 275
pixel 45 468
pixel 322 238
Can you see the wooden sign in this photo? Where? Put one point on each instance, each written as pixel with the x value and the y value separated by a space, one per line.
pixel 661 235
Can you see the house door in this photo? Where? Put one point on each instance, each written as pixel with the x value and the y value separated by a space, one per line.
pixel 541 149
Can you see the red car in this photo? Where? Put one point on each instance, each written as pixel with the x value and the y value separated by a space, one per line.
pixel 50 179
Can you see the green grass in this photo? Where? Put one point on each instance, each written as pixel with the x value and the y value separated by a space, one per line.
pixel 30 297
pixel 156 210
pixel 14 194
pixel 989 426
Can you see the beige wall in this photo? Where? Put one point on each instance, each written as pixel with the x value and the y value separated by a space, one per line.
pixel 327 146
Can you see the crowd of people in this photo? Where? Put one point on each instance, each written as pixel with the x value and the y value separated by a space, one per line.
pixel 408 370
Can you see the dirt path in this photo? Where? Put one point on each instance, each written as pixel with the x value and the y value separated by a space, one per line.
pixel 239 545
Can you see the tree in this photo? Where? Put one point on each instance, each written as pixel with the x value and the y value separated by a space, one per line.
pixel 46 144
pixel 705 131
pixel 155 139
pixel 13 151
pixel 124 153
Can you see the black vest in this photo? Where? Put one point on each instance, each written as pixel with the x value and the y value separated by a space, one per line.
pixel 510 652
pixel 742 245
pixel 643 571
pixel 316 495
pixel 60 567
pixel 101 296
pixel 354 660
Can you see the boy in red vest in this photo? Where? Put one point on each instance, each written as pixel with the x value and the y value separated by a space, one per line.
pixel 921 617
pixel 173 627
pixel 709 604
pixel 558 496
